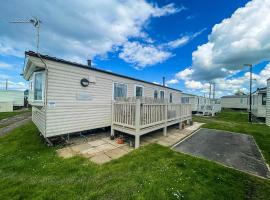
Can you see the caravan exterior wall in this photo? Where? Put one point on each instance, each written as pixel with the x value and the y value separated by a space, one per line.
pixel 6 106
pixel 69 107
pixel 258 107
pixel 234 102
pixel 16 97
pixel 268 103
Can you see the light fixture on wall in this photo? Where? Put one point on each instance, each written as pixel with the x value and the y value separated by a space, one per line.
pixel 84 82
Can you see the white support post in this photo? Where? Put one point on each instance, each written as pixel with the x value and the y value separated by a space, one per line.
pixel 138 115
pixel 180 125
pixel 165 131
pixel 112 119
pixel 137 123
pixel 137 141
pixel 112 131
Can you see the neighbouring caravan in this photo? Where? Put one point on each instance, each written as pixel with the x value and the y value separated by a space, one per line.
pixel 195 101
pixel 201 104
pixel 10 99
pixel 258 107
pixel 6 106
pixel 268 103
pixel 68 97
pixel 234 102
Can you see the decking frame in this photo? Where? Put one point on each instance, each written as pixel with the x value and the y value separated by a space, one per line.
pixel 139 117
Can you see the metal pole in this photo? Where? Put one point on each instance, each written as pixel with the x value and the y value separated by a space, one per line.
pixel 250 96
pixel 37 38
pixel 214 88
pixel 6 84
pixel 210 91
pixel 163 80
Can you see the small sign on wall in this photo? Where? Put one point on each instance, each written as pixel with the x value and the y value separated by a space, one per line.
pixel 84 96
pixel 51 104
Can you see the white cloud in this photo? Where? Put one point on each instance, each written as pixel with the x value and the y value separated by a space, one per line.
pixel 183 40
pixel 167 10
pixel 229 85
pixel 242 38
pixel 179 42
pixel 143 55
pixel 5 66
pixel 184 74
pixel 13 85
pixel 82 30
pixel 191 84
pixel 172 81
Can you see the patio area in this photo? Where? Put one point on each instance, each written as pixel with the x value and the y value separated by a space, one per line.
pixel 99 148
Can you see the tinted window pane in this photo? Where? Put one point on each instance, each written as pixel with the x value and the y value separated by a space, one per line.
pixel 139 91
pixel 120 90
pixel 38 86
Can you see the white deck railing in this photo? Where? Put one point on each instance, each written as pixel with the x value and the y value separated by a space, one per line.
pixel 139 115
pixel 209 109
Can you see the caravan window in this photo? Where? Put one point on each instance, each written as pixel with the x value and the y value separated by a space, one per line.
pixel 170 97
pixel 162 95
pixel 264 99
pixel 155 94
pixel 38 86
pixel 138 91
pixel 120 90
pixel 184 100
pixel 241 100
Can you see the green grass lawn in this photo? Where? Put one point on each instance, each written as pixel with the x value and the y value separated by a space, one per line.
pixel 237 121
pixel 4 115
pixel 31 170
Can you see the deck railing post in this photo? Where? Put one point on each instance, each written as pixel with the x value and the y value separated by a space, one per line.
pixel 166 119
pixel 137 122
pixel 112 119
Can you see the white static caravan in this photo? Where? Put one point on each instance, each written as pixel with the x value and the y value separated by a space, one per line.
pixel 267 119
pixel 258 107
pixel 14 96
pixel 69 97
pixel 195 101
pixel 201 104
pixel 234 102
pixel 6 106
pixel 10 99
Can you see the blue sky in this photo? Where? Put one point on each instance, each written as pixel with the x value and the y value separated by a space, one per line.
pixel 146 40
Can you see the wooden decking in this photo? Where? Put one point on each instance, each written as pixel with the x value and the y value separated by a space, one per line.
pixel 139 117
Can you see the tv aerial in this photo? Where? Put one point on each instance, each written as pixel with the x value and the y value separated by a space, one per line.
pixel 36 23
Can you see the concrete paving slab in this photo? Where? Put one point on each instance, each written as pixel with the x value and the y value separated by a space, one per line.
pixel 234 150
pixel 105 147
pixel 116 153
pixel 81 147
pixel 100 158
pixel 96 143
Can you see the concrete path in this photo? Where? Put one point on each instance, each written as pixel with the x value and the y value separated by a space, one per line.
pixel 100 149
pixel 14 122
pixel 231 149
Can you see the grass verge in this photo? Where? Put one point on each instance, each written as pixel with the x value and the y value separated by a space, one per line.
pixel 31 170
pixel 4 115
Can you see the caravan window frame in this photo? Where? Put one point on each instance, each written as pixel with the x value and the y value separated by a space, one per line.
pixel 264 99
pixel 163 94
pixel 34 86
pixel 135 90
pixel 155 94
pixel 113 97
